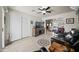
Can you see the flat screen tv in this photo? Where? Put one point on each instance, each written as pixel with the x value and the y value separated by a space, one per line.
pixel 39 24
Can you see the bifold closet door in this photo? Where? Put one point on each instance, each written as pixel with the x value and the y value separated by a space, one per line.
pixel 25 27
pixel 15 26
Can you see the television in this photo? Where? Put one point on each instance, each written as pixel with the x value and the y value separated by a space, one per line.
pixel 39 24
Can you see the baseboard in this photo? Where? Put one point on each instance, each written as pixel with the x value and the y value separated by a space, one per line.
pixel 20 39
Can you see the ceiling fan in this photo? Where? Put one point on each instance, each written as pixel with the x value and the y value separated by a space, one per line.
pixel 43 10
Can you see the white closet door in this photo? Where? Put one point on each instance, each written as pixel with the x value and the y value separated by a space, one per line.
pixel 25 27
pixel 28 28
pixel 15 26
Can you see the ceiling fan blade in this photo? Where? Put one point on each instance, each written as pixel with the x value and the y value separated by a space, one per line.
pixel 36 11
pixel 47 8
pixel 39 12
pixel 40 9
pixel 48 11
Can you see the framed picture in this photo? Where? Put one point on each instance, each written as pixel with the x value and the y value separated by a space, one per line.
pixel 70 21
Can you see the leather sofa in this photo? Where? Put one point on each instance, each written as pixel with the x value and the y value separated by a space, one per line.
pixel 71 38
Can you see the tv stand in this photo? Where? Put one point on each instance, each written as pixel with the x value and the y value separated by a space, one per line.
pixel 37 31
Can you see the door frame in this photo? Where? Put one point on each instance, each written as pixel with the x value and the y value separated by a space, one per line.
pixel 3 28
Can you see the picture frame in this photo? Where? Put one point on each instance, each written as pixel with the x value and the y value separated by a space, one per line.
pixel 70 21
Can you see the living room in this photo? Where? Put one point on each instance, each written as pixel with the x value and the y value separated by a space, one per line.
pixel 26 28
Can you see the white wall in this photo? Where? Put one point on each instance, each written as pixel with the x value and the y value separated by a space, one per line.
pixel 62 18
pixel 20 25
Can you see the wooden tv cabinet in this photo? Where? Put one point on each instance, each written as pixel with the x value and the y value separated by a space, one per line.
pixel 37 31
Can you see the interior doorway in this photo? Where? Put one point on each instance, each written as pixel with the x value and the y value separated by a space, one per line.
pixel 49 26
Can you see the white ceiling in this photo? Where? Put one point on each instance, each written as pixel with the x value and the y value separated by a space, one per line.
pixel 28 10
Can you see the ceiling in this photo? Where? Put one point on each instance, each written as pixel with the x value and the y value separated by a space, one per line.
pixel 29 10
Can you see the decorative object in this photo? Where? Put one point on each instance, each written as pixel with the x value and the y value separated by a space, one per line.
pixel 70 21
